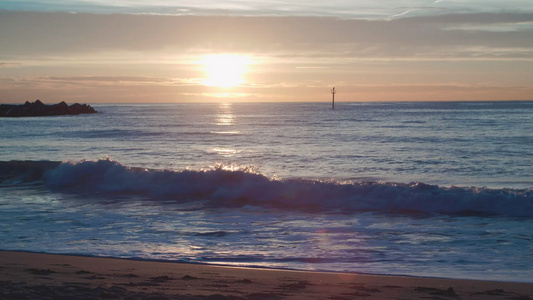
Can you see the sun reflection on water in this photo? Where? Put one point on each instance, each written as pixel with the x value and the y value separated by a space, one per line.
pixel 225 114
pixel 225 117
pixel 226 152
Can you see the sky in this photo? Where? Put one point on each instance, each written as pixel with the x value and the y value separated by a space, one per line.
pixel 132 51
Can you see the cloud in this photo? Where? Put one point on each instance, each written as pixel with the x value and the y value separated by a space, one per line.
pixel 118 57
pixel 355 9
pixel 93 82
pixel 116 89
pixel 126 80
pixel 47 35
pixel 96 89
pixel 10 65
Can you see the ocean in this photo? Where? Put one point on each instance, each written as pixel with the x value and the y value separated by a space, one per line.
pixel 438 189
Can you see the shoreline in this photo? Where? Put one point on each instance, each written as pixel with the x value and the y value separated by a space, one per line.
pixel 259 267
pixel 30 275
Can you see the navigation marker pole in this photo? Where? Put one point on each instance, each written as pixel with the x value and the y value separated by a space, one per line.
pixel 333 99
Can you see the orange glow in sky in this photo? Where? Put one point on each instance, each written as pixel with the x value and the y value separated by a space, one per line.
pixel 414 50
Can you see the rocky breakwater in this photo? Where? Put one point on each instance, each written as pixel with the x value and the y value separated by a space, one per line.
pixel 38 109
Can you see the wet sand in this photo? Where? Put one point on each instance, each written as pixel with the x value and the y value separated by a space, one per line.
pixel 26 275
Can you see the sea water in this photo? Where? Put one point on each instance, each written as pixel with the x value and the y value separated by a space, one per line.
pixel 442 189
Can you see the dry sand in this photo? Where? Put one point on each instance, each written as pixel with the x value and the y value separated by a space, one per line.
pixel 43 276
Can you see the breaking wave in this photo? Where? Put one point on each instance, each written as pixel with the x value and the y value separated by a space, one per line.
pixel 233 188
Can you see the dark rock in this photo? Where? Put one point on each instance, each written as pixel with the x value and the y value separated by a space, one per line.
pixel 60 109
pixel 37 109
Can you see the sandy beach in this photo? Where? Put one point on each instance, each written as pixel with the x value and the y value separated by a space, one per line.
pixel 44 276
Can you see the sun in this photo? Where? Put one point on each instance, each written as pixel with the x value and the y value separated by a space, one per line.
pixel 225 70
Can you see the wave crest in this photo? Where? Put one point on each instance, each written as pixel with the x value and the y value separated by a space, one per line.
pixel 222 187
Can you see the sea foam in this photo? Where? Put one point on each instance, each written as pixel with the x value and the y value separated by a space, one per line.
pixel 220 187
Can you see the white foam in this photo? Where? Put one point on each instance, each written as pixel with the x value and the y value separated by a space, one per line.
pixel 222 187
